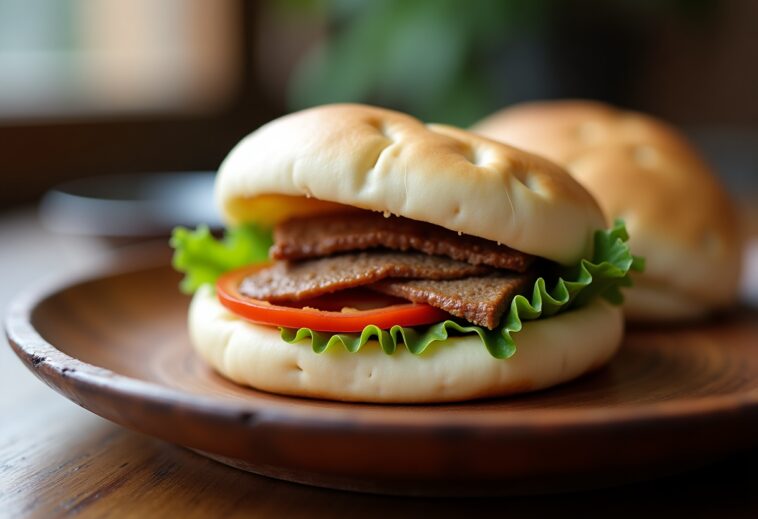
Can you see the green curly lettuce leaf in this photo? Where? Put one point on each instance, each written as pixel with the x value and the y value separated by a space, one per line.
pixel 602 276
pixel 202 258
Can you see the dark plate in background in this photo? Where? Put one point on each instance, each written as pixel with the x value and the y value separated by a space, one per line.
pixel 131 205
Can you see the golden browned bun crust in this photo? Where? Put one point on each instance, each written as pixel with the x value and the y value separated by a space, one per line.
pixel 642 170
pixel 551 351
pixel 329 157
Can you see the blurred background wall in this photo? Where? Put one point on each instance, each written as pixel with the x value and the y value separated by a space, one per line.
pixel 92 87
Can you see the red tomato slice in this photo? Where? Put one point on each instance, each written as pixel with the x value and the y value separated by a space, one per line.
pixel 365 307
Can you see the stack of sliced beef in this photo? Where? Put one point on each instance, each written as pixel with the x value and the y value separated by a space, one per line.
pixel 469 277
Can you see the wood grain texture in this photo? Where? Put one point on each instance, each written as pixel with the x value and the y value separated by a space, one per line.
pixel 66 462
pixel 121 351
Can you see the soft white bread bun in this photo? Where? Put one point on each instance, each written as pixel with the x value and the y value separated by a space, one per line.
pixel 351 156
pixel 642 170
pixel 328 157
pixel 550 351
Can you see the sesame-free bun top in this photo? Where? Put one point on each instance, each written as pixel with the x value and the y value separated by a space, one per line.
pixel 326 158
pixel 642 170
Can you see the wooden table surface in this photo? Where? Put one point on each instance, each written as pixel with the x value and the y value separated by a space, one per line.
pixel 57 459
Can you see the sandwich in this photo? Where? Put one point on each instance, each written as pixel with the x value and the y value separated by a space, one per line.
pixel 371 257
pixel 643 170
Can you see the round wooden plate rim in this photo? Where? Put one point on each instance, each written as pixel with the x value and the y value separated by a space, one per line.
pixel 51 365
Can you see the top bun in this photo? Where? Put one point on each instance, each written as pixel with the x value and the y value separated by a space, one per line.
pixel 644 171
pixel 329 157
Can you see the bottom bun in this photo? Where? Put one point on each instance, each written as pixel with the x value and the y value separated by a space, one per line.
pixel 650 302
pixel 550 351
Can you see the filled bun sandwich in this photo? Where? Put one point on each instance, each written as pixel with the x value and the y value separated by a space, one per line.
pixel 644 171
pixel 372 257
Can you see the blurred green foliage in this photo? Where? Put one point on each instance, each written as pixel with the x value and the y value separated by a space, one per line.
pixel 412 54
pixel 431 58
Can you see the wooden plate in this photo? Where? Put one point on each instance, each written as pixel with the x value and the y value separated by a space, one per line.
pixel 673 398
